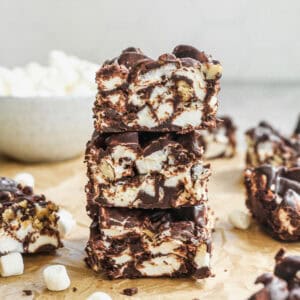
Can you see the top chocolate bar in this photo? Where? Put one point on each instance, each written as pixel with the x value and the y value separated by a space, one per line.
pixel 177 92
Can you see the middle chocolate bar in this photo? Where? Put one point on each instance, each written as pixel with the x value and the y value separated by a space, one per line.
pixel 146 170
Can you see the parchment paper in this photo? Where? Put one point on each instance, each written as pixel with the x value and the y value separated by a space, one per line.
pixel 238 256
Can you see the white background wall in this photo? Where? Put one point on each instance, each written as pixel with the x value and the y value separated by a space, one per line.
pixel 258 42
pixel 254 39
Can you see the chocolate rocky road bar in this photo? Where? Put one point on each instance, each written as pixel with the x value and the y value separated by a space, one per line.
pixel 146 170
pixel 176 92
pixel 28 222
pixel 273 197
pixel 219 142
pixel 267 145
pixel 284 284
pixel 134 243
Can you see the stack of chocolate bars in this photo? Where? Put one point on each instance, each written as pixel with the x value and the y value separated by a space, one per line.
pixel 147 188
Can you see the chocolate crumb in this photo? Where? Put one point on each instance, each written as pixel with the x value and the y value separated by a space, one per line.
pixel 74 289
pixel 27 292
pixel 225 270
pixel 130 291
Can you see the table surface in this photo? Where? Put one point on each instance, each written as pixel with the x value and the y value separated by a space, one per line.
pixel 238 256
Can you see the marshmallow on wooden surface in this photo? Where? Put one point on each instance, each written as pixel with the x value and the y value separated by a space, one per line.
pixel 25 179
pixel 56 278
pixel 239 219
pixel 99 296
pixel 66 222
pixel 11 264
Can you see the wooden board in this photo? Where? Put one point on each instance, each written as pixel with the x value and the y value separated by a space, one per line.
pixel 238 256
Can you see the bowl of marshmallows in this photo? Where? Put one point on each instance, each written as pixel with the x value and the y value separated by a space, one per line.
pixel 45 111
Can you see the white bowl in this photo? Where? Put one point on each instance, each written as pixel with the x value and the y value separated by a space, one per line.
pixel 37 129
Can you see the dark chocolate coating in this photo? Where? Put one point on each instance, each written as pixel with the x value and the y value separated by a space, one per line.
pixel 284 283
pixel 186 51
pixel 139 217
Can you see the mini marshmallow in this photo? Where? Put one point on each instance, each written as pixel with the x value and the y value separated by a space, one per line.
pixel 56 278
pixel 25 179
pixel 99 296
pixel 8 244
pixel 65 222
pixel 64 75
pixel 11 264
pixel 239 219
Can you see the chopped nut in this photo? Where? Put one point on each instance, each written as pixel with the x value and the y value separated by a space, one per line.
pixel 8 215
pixel 212 71
pixel 107 170
pixel 184 90
pixel 23 203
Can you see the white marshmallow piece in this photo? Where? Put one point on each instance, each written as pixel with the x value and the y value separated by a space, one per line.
pixel 56 278
pixel 9 244
pixel 65 223
pixel 99 296
pixel 11 264
pixel 25 179
pixel 64 75
pixel 239 219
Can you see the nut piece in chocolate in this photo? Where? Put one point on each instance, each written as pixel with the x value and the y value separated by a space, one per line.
pixel 284 283
pixel 28 222
pixel 267 146
pixel 146 170
pixel 176 92
pixel 273 198
pixel 134 243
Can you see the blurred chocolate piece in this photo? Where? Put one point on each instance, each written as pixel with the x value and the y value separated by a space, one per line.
pixel 273 197
pixel 176 92
pixel 134 243
pixel 284 284
pixel 130 291
pixel 146 170
pixel 28 222
pixel 297 129
pixel 267 145
pixel 219 142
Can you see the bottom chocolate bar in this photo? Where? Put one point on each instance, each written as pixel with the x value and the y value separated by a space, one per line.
pixel 127 243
